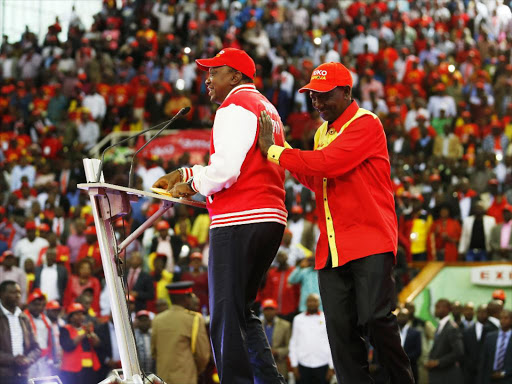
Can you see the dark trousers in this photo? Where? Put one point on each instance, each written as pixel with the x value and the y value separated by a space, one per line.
pixel 240 255
pixel 358 298
pixel 313 375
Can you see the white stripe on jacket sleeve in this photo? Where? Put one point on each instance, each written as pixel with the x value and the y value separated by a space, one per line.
pixel 234 132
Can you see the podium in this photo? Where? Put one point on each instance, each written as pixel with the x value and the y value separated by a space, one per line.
pixel 109 202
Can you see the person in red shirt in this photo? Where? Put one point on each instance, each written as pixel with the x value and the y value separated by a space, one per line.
pixel 91 249
pixel 277 288
pixel 444 236
pixel 78 283
pixel 349 172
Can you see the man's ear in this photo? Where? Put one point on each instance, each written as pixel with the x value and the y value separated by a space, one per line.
pixel 236 78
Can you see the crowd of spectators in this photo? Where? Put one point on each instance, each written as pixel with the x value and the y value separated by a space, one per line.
pixel 437 73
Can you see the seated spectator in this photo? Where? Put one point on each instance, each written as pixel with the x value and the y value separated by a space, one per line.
pixel 90 251
pixel 76 239
pixel 444 235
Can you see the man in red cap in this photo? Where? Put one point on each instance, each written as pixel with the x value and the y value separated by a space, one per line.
pixel 42 330
pixel 245 200
pixel 349 171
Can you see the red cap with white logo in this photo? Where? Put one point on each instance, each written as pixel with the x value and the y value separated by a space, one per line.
pixel 328 76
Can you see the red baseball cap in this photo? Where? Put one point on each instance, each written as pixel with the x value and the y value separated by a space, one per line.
pixel 328 76
pixel 6 254
pixel 90 231
pixel 142 313
pixel 269 303
pixel 162 224
pixel 196 255
pixel 499 294
pixel 36 294
pixel 53 304
pixel 75 307
pixel 44 227
pixel 232 57
pixel 30 225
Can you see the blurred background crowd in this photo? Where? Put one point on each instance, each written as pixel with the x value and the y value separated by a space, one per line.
pixel 438 74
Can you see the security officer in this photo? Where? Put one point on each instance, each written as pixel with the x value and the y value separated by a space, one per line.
pixel 179 343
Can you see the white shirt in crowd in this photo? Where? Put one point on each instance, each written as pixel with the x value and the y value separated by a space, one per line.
pixel 437 103
pixel 442 323
pixel 88 134
pixel 403 333
pixel 479 328
pixel 18 172
pixel 309 345
pixel 41 332
pixel 49 284
pixel 96 105
pixel 15 330
pixel 495 321
pixel 149 176
pixel 26 249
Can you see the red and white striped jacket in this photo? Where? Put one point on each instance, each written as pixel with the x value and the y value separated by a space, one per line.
pixel 240 185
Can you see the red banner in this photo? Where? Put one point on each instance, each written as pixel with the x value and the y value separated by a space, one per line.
pixel 195 142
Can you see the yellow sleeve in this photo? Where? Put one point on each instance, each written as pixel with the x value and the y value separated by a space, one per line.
pixel 274 153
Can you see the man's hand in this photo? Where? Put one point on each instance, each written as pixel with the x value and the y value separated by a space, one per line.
pixel 266 136
pixel 329 375
pixel 182 190
pixel 168 181
pixel 21 361
pixel 296 373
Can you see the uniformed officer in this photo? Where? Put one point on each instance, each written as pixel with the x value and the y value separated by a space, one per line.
pixel 179 343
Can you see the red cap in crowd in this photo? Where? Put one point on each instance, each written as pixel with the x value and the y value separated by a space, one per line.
pixel 6 254
pixel 434 177
pixel 30 225
pixel 53 304
pixel 162 225
pixel 232 57
pixel 90 231
pixel 75 307
pixel 36 294
pixel 142 313
pixel 499 294
pixel 269 303
pixel 196 255
pixel 130 299
pixel 44 227
pixel 328 76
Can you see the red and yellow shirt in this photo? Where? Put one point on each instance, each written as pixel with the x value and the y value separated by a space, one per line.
pixel 349 172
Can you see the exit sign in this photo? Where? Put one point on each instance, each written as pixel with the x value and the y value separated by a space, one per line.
pixel 492 275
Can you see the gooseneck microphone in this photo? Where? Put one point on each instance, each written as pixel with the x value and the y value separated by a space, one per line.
pixel 100 169
pixel 182 112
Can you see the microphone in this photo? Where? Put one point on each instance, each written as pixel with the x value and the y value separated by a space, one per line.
pixel 100 169
pixel 182 112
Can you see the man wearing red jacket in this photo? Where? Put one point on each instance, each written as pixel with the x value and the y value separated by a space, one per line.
pixel 245 199
pixel 349 172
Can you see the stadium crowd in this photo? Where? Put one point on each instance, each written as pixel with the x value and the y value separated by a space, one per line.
pixel 437 73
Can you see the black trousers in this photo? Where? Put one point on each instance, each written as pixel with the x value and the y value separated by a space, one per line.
pixel 240 256
pixel 313 375
pixel 14 380
pixel 358 298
